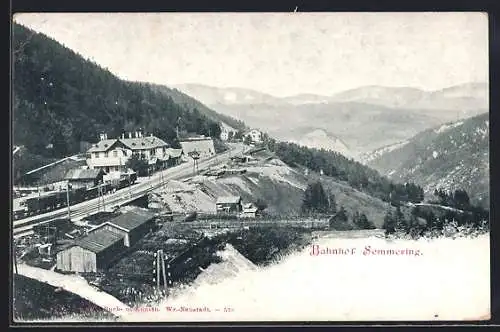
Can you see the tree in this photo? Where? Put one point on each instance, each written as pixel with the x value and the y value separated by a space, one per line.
pixel 365 223
pixel 140 166
pixel 400 219
pixel 238 135
pixel 261 204
pixel 342 214
pixel 340 221
pixel 461 199
pixel 389 223
pixel 332 203
pixel 247 140
pixel 315 199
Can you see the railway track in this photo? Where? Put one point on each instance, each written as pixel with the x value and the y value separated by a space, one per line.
pixel 23 227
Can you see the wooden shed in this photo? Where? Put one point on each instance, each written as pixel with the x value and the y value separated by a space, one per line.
pixel 84 178
pixel 228 204
pixel 91 253
pixel 131 225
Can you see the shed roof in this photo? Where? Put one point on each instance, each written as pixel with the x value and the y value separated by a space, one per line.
pixel 82 174
pixel 98 240
pixel 228 200
pixel 131 219
pixel 174 153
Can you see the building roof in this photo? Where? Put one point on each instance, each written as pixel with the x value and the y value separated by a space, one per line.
pixel 98 240
pixel 228 200
pixel 225 127
pixel 196 138
pixel 82 174
pixel 146 142
pixel 131 219
pixel 252 131
pixel 102 145
pixel 135 143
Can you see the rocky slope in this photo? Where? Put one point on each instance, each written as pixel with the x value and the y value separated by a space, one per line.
pixel 272 181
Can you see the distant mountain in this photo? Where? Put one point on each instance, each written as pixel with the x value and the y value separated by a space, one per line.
pixel 364 119
pixel 362 127
pixel 451 156
pixel 213 96
pixel 190 103
pixel 465 98
pixel 320 139
pixel 379 95
pixel 307 98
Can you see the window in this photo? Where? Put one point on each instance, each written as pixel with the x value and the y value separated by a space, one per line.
pixel 153 152
pixel 106 154
pixel 115 153
pixel 124 153
pixel 96 154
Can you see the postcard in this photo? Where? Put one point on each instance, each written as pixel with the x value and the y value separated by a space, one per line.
pixel 250 167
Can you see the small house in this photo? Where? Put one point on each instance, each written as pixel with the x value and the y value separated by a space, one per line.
pixel 249 210
pixel 254 135
pixel 228 204
pixel 227 132
pixel 84 178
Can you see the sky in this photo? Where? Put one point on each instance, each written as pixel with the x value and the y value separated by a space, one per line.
pixel 279 53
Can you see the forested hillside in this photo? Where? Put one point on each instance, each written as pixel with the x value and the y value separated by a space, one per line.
pixel 183 99
pixel 346 170
pixel 450 157
pixel 60 99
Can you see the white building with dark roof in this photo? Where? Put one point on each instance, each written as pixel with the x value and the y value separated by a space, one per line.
pixel 113 154
pixel 255 135
pixel 226 131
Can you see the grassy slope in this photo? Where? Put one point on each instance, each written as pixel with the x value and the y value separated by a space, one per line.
pixel 36 300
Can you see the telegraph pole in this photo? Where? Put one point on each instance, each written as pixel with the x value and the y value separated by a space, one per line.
pixel 67 200
pixel 159 264
pixel 158 270
pixel 15 259
pixel 195 155
pixel 163 270
pixel 103 199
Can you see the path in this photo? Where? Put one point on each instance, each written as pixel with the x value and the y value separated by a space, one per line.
pixel 76 285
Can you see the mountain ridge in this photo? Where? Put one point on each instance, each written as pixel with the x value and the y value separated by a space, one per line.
pixel 364 118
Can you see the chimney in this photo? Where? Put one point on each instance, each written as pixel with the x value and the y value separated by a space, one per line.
pixel 102 136
pixel 130 134
pixel 151 135
pixel 105 136
pixel 136 134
